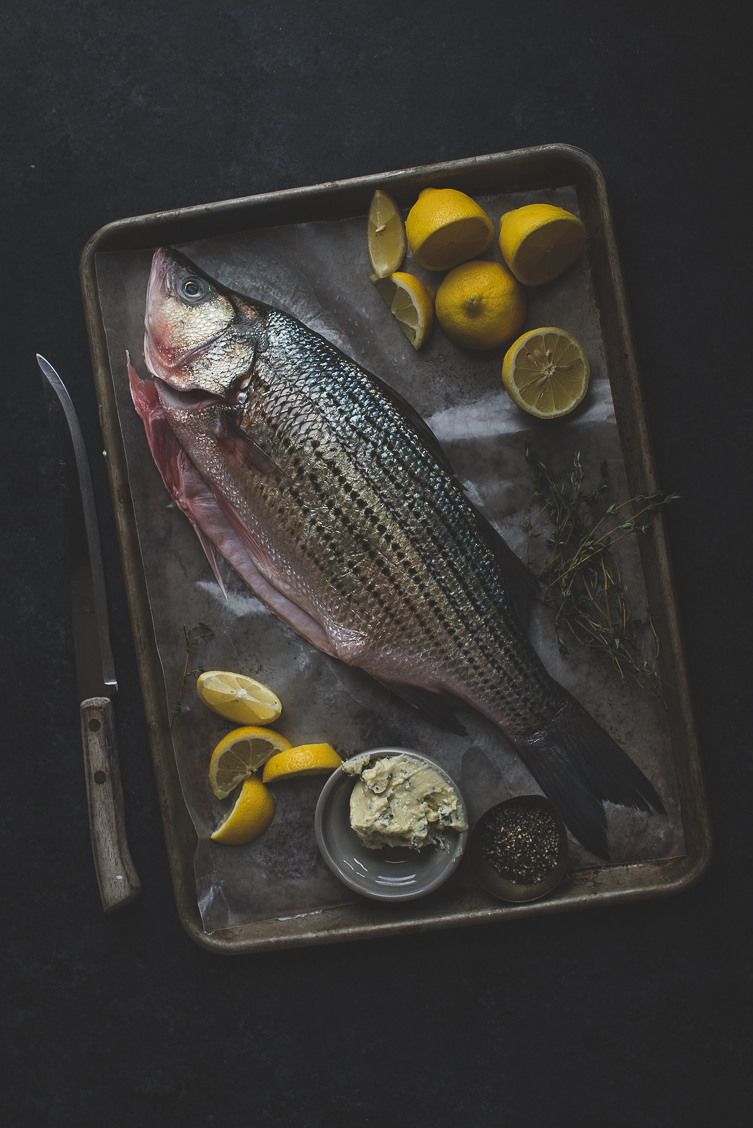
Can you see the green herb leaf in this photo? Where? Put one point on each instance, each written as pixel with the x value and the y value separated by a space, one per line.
pixel 581 577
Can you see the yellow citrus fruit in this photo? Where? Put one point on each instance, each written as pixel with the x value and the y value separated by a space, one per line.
pixel 249 817
pixel 241 753
pixel 411 302
pixel 445 227
pixel 306 759
pixel 539 241
pixel 546 372
pixel 240 699
pixel 480 305
pixel 385 233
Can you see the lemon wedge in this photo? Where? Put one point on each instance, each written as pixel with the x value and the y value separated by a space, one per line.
pixel 546 372
pixel 385 235
pixel 480 305
pixel 539 241
pixel 445 227
pixel 249 817
pixel 240 754
pixel 238 698
pixel 304 760
pixel 411 302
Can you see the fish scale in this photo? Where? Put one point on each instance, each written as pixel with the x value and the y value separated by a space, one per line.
pixel 334 500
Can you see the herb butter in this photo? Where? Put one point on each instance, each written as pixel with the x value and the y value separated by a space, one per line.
pixel 401 801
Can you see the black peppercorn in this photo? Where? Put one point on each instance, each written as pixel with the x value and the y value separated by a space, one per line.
pixel 521 843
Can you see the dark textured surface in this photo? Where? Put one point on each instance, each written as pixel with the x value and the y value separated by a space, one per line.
pixel 636 1015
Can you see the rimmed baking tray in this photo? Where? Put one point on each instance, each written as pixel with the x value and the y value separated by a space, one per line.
pixel 542 168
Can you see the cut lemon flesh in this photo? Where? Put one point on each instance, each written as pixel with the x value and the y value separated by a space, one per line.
pixel 240 699
pixel 249 816
pixel 411 302
pixel 445 227
pixel 539 241
pixel 546 372
pixel 385 235
pixel 240 754
pixel 304 760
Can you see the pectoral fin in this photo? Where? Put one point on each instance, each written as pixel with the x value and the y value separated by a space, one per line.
pixel 436 706
pixel 242 448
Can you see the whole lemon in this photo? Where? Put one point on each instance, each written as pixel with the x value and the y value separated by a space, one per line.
pixel 480 305
pixel 445 227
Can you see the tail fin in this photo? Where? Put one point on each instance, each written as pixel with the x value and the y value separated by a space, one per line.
pixel 578 766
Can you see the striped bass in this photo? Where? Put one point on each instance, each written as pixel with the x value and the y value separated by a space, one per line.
pixel 332 499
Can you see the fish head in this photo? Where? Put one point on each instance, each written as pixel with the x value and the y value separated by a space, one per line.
pixel 198 335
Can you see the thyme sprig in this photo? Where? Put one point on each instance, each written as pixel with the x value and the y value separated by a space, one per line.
pixel 582 578
pixel 193 636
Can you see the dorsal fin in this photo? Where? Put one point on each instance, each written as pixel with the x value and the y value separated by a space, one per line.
pixel 425 433
pixel 519 580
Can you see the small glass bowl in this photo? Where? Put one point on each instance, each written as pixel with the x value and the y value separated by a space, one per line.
pixel 494 882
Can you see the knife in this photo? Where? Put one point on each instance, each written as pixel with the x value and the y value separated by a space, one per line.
pixel 95 668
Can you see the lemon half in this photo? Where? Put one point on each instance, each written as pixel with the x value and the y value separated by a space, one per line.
pixel 445 227
pixel 546 372
pixel 539 241
pixel 385 235
pixel 240 699
pixel 249 817
pixel 304 760
pixel 411 302
pixel 480 305
pixel 240 754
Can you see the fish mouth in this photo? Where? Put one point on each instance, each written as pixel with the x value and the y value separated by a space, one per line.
pixel 187 399
pixel 185 358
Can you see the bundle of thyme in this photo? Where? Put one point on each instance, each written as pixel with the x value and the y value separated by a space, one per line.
pixel 193 636
pixel 581 577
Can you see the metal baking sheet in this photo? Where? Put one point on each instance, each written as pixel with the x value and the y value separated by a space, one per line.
pixel 305 251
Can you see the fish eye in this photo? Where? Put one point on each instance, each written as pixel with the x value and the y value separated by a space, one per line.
pixel 193 289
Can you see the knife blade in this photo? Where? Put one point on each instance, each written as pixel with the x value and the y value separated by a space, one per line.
pixel 95 668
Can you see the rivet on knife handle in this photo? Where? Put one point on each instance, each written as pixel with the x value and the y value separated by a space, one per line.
pixel 118 881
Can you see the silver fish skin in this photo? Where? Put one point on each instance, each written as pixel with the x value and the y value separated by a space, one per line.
pixel 356 532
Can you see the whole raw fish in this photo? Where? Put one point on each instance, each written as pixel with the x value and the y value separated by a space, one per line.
pixel 331 498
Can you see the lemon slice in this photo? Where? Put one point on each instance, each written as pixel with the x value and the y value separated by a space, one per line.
pixel 240 699
pixel 445 227
pixel 411 302
pixel 249 817
pixel 241 753
pixel 385 235
pixel 305 760
pixel 480 305
pixel 539 241
pixel 546 372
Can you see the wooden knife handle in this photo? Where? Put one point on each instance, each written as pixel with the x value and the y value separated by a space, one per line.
pixel 117 878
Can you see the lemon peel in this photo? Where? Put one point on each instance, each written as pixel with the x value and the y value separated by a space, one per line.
pixel 480 305
pixel 546 372
pixel 539 241
pixel 249 816
pixel 446 227
pixel 385 234
pixel 411 302
pixel 303 760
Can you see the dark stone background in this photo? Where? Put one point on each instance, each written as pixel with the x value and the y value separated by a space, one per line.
pixel 633 1015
